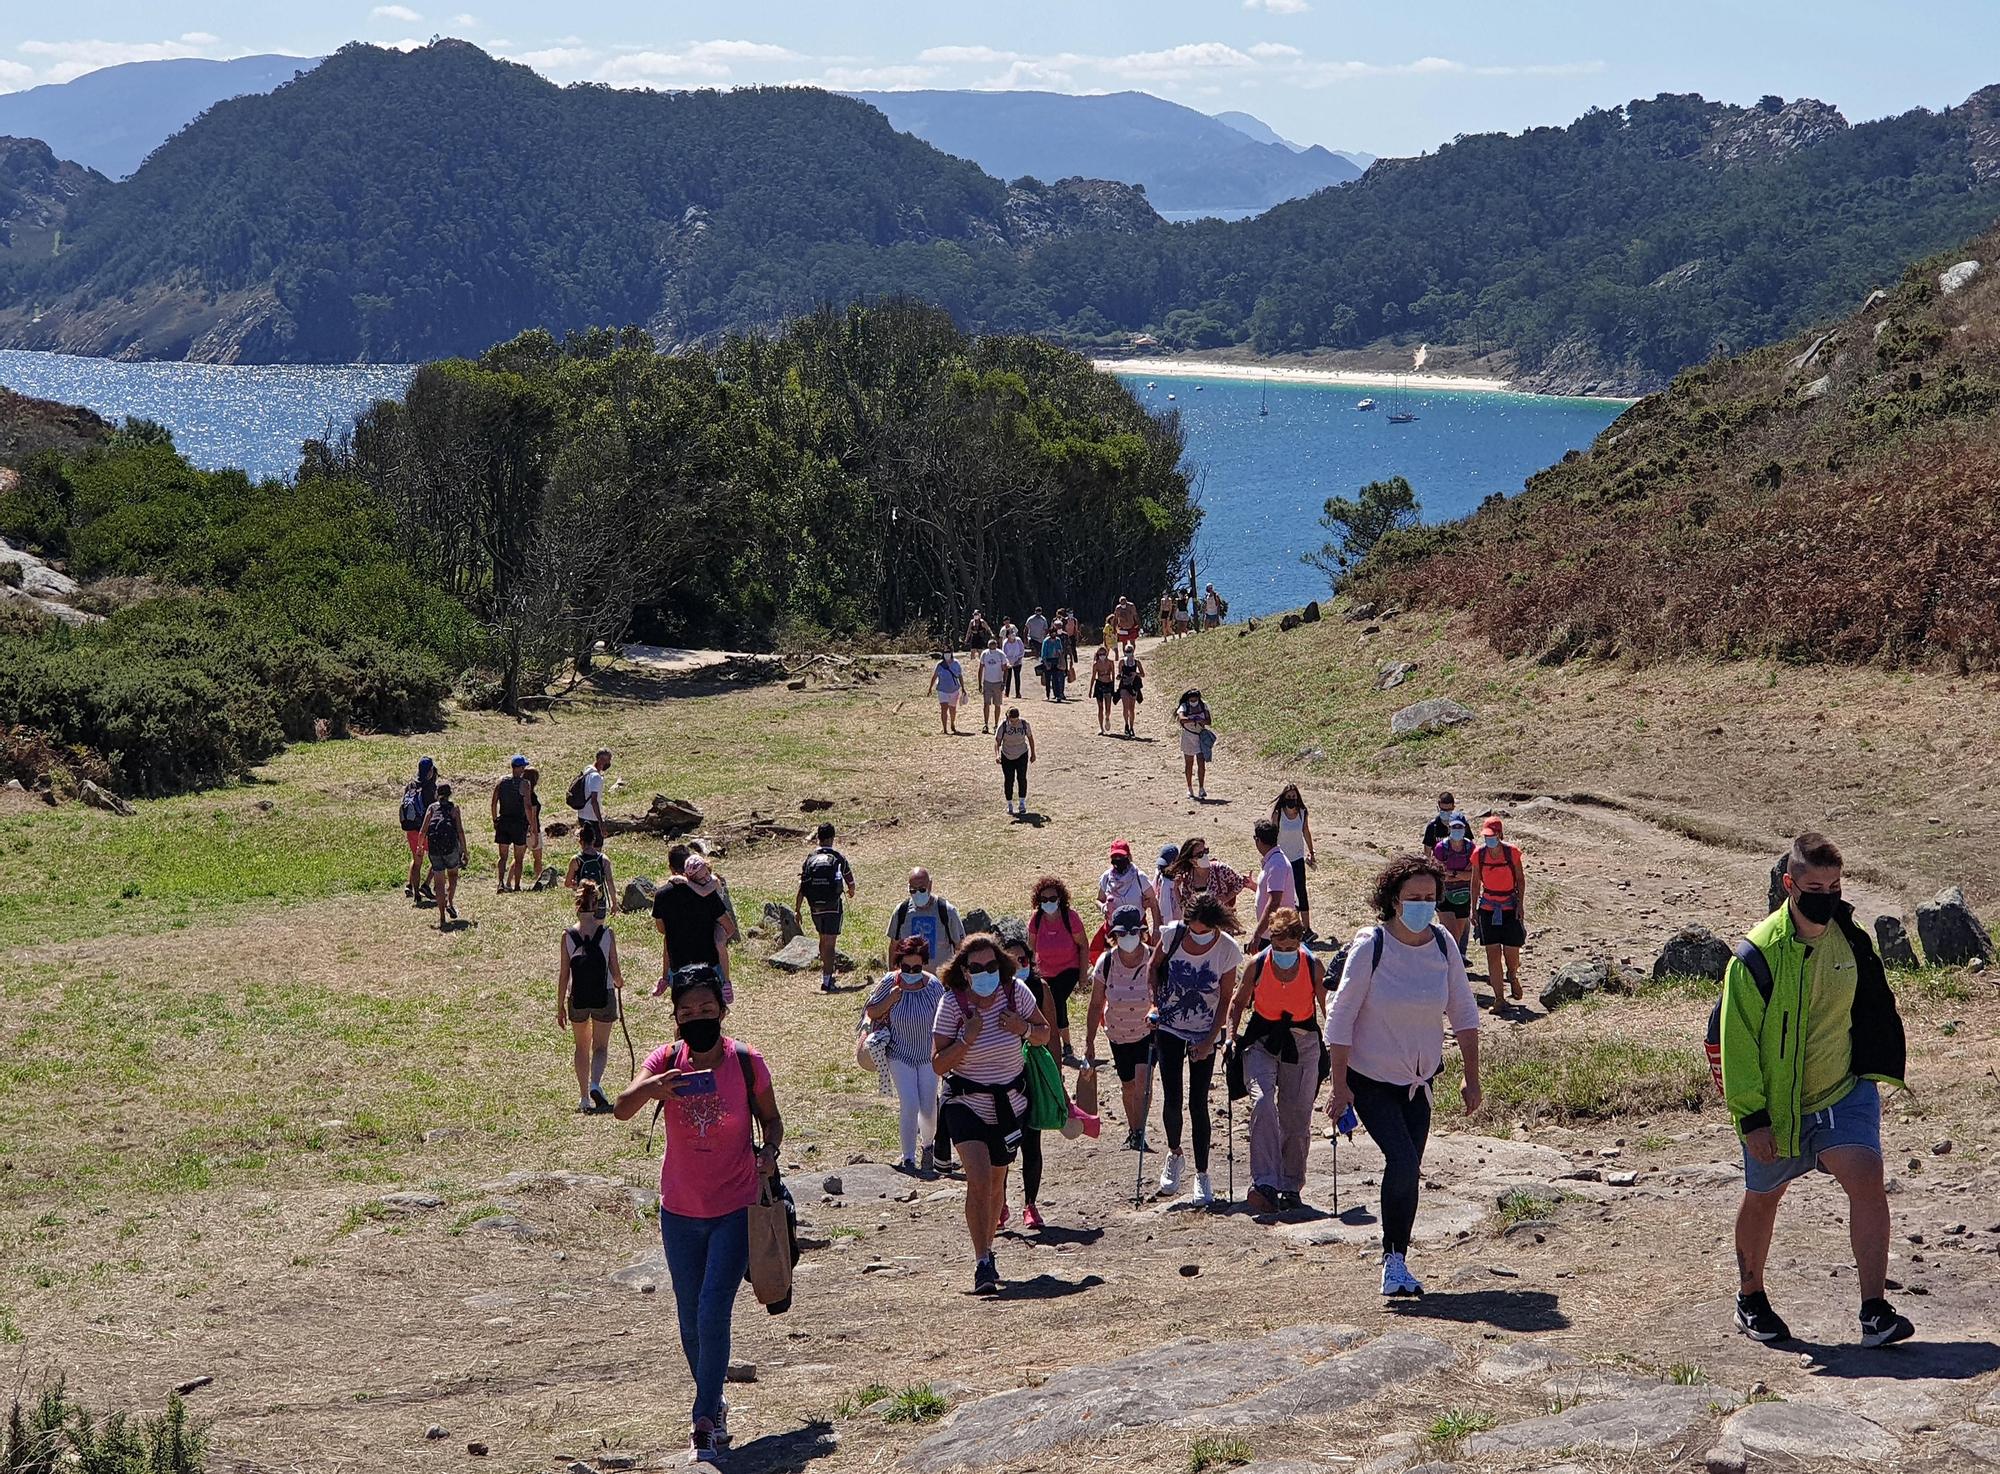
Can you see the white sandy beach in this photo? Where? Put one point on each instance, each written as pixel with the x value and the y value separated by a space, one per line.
pixel 1200 368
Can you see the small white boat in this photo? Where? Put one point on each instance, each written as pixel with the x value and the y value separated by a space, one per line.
pixel 1365 404
pixel 1151 385
pixel 1170 396
pixel 1199 387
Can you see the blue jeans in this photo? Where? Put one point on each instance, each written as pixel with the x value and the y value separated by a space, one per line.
pixel 1853 1120
pixel 706 1259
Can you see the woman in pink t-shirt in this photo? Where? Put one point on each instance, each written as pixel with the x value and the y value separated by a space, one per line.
pixel 1057 939
pixel 708 1089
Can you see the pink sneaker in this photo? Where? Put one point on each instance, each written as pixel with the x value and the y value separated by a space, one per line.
pixel 1003 1215
pixel 1031 1216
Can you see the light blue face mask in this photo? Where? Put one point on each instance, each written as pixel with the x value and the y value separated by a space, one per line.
pixel 919 900
pixel 911 974
pixel 1285 959
pixel 1049 908
pixel 1418 915
pixel 985 984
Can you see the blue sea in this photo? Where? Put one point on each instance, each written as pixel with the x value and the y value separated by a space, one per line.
pixel 1263 478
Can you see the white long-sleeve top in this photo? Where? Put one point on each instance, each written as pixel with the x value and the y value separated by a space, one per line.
pixel 1389 1015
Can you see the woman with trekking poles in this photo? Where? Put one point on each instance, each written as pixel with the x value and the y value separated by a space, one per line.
pixel 589 986
pixel 1280 1051
pixel 978 1041
pixel 1384 1047
pixel 708 1088
pixel 1121 1004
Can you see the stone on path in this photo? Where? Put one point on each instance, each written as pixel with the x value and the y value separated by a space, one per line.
pixel 1951 934
pixel 1809 1431
pixel 1692 952
pixel 410 1202
pixel 1438 714
pixel 801 954
pixel 1893 942
pixel 1577 980
pixel 637 899
pixel 783 919
pixel 1644 1420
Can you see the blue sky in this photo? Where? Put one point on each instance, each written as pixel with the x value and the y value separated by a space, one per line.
pixel 1386 76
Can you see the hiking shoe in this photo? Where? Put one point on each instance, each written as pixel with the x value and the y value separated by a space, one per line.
pixel 1756 1319
pixel 1203 794
pixel 927 1163
pixel 1289 1203
pixel 598 1101
pixel 1031 1217
pixel 1880 1325
pixel 1263 1200
pixel 1170 1176
pixel 826 985
pixel 907 1167
pixel 986 1277
pixel 1397 1281
pixel 1005 1214
pixel 452 912
pixel 701 1443
pixel 1204 1195
pixel 722 1435
pixel 409 893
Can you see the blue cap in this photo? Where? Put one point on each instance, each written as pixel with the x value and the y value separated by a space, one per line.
pixel 520 760
pixel 426 762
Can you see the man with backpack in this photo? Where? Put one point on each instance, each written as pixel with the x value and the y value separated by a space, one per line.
pixel 510 822
pixel 418 796
pixel 1806 1030
pixel 924 913
pixel 826 883
pixel 586 792
pixel 444 841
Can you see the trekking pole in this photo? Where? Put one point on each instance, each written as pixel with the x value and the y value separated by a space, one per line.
pixel 630 1053
pixel 1229 1118
pixel 1145 1113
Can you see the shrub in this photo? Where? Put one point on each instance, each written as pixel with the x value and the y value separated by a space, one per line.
pixel 55 1434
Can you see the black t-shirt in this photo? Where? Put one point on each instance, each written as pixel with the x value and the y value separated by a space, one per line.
pixel 689 918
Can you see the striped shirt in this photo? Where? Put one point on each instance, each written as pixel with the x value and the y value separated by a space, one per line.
pixel 996 1056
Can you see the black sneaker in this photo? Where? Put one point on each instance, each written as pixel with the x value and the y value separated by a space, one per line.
pixel 1288 1203
pixel 1756 1319
pixel 985 1277
pixel 1881 1326
pixel 598 1101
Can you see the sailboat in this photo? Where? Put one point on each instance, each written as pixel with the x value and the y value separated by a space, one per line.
pixel 1402 413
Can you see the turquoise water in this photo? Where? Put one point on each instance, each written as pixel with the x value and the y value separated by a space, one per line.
pixel 1267 478
pixel 1264 478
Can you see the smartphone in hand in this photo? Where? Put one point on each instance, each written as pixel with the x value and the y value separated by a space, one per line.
pixel 695 1082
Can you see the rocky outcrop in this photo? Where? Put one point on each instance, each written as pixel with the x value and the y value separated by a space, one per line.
pixel 1981 116
pixel 1438 714
pixel 1578 980
pixel 1893 942
pixel 1035 213
pixel 1692 952
pixel 1760 136
pixel 1954 279
pixel 1951 934
pixel 38 194
pixel 29 426
pixel 1576 367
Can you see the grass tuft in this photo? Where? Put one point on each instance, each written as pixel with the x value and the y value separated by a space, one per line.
pixel 867 1397
pixel 917 1403
pixel 1521 1205
pixel 1211 1451
pixel 1453 1426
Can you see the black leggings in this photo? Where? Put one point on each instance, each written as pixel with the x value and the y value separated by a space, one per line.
pixel 1173 1052
pixel 1399 1123
pixel 1031 1165
pixel 1061 986
pixel 1015 769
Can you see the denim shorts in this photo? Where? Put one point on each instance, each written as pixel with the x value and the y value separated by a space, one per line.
pixel 1853 1120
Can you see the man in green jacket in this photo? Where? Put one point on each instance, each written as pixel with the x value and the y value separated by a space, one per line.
pixel 1806 1036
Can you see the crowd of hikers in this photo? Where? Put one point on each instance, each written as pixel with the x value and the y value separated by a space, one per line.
pixel 1162 970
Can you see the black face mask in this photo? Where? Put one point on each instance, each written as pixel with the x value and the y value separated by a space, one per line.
pixel 1120 864
pixel 1817 906
pixel 702 1034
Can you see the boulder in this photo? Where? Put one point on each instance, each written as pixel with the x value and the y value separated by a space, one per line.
pixel 1438 714
pixel 1361 613
pixel 1811 1433
pixel 1287 622
pixel 1776 896
pixel 801 954
pixel 1310 614
pixel 1577 980
pixel 1955 278
pixel 549 879
pixel 1393 674
pixel 977 919
pixel 1010 929
pixel 1893 942
pixel 1951 934
pixel 667 817
pixel 1692 952
pixel 638 897
pixel 1817 388
pixel 781 919
pixel 102 798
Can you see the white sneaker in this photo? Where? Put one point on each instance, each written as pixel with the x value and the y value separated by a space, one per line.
pixel 1397 1279
pixel 1204 1195
pixel 1204 792
pixel 1170 1176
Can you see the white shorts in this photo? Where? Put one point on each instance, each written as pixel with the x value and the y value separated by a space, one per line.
pixel 1190 743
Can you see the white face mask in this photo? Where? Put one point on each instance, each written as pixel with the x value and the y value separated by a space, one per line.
pixel 1129 943
pixel 920 899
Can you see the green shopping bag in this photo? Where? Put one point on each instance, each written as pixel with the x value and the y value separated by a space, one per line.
pixel 1048 1102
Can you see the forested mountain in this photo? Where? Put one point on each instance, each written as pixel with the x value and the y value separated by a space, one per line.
pixel 1826 498
pixel 396 206
pixel 1187 161
pixel 110 119
pixel 38 195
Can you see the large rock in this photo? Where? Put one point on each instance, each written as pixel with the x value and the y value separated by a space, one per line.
pixel 1645 1420
pixel 1951 934
pixel 1310 614
pixel 1776 897
pixel 1287 622
pixel 1893 942
pixel 1692 952
pixel 782 919
pixel 1576 980
pixel 1010 929
pixel 667 817
pixel 1316 1372
pixel 1438 714
pixel 1394 673
pixel 801 954
pixel 638 895
pixel 1955 278
pixel 1810 1432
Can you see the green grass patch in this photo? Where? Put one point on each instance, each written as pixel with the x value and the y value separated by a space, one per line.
pixel 1453 1426
pixel 867 1397
pixel 1213 1451
pixel 1686 1374
pixel 917 1403
pixel 1521 1205
pixel 1590 1079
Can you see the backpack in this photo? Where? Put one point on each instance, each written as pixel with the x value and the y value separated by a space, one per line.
pixel 1760 973
pixel 577 792
pixel 410 813
pixel 441 833
pixel 820 878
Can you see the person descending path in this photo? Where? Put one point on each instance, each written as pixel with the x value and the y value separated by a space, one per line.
pixel 1124 884
pixel 709 1088
pixel 1197 741
pixel 948 681
pixel 1013 750
pixel 1121 1003
pixel 1384 1047
pixel 1131 688
pixel 1499 889
pixel 1013 648
pixel 418 796
pixel 1057 942
pixel 1295 839
pixel 510 823
pixel 1455 856
pixel 977 633
pixel 1211 606
pixel 1029 977
pixel 444 843
pixel 1125 616
pixel 1438 823
pixel 1281 992
pixel 1055 665
pixel 1194 977
pixel 589 985
pixel 992 684
pixel 905 1002
pixel 1103 687
pixel 977 1042
pixel 1808 1032
pixel 1163 883
pixel 1166 616
pixel 826 884
pixel 692 923
pixel 593 865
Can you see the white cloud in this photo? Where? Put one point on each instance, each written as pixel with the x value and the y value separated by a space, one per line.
pixel 402 13
pixel 886 78
pixel 1319 73
pixel 639 66
pixel 1275 51
pixel 967 55
pixel 200 38
pixel 466 22
pixel 14 76
pixel 1177 61
pixel 741 51
pixel 1278 7
pixel 552 58
pixel 65 61
pixel 1025 75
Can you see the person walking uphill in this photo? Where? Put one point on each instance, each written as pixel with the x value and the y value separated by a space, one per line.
pixel 1808 1030
pixel 1281 991
pixel 1383 1043
pixel 444 843
pixel 510 823
pixel 1121 1003
pixel 1058 945
pixel 589 985
pixel 905 1003
pixel 1194 978
pixel 708 1088
pixel 977 1048
pixel 1499 890
pixel 1014 749
pixel 1295 839
pixel 826 884
pixel 1197 740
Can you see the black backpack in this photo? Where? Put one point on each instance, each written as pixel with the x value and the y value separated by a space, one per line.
pixel 1753 962
pixel 441 833
pixel 576 793
pixel 821 878
pixel 410 813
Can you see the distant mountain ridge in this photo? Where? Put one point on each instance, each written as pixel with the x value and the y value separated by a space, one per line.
pixel 110 119
pixel 1185 160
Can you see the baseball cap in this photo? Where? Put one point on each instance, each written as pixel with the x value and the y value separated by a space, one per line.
pixel 1169 853
pixel 520 760
pixel 1121 847
pixel 1128 919
pixel 1492 825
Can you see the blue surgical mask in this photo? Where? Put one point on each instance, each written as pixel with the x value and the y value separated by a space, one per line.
pixel 1049 908
pixel 985 984
pixel 920 899
pixel 912 974
pixel 1418 915
pixel 1285 959
pixel 1491 841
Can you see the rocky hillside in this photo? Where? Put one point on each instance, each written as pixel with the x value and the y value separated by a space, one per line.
pixel 29 426
pixel 1826 498
pixel 39 193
